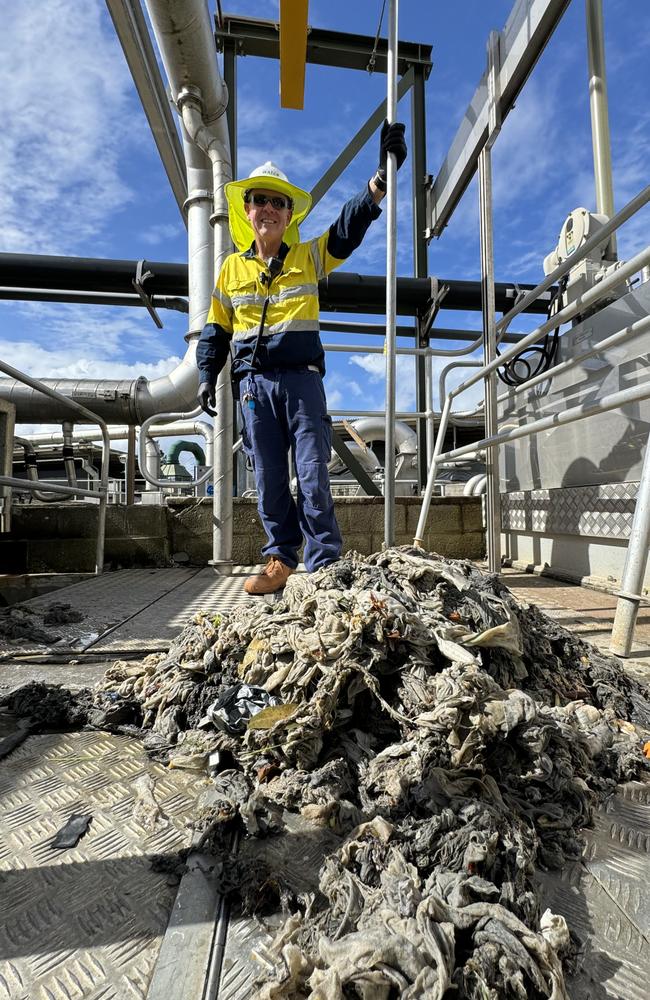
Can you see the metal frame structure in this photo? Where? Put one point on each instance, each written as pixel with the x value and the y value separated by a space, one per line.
pixel 100 494
pixel 238 36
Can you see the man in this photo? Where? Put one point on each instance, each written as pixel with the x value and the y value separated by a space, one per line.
pixel 266 303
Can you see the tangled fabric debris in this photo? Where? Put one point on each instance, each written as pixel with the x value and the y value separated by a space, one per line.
pixel 20 623
pixel 446 740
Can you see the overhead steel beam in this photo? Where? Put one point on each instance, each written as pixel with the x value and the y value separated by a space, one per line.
pixel 293 52
pixel 357 142
pixel 254 37
pixel 524 38
pixel 131 29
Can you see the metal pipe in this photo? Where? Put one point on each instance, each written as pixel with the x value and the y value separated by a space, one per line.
pixel 442 380
pixel 404 438
pixel 493 511
pixel 130 468
pixel 633 394
pixel 363 348
pixel 428 491
pixel 142 445
pixel 431 426
pixel 602 147
pixel 636 558
pixel 340 291
pixel 32 472
pixel 92 298
pixel 68 452
pixel 636 329
pixel 66 491
pixel 641 326
pixel 215 143
pixel 391 282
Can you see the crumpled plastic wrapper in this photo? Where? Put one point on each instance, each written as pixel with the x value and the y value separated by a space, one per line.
pixel 237 705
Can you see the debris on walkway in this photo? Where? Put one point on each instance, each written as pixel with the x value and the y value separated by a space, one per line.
pixel 71 833
pixel 445 741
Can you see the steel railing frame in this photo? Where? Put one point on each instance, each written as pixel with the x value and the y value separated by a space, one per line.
pixel 102 492
pixel 590 298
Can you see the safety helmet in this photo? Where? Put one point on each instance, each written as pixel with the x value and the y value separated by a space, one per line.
pixel 270 178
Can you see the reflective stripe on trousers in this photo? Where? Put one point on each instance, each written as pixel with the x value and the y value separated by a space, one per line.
pixel 290 412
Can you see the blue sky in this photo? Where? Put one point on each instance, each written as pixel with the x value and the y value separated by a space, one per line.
pixel 80 174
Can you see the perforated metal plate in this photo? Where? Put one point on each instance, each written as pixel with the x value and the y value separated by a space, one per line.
pixel 84 923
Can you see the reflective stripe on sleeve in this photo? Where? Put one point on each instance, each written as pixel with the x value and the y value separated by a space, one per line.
pixel 318 263
pixel 221 297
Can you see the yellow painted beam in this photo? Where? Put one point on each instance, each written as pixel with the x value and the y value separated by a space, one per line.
pixel 293 52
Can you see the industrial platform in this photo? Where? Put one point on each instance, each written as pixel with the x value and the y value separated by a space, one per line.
pixel 93 922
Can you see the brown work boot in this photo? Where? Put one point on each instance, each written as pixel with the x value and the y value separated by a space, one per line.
pixel 273 577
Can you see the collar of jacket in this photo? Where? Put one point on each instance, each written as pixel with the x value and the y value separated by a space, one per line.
pixel 252 251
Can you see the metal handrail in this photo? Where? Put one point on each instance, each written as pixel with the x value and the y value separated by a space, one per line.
pixel 564 315
pixel 634 394
pixel 102 492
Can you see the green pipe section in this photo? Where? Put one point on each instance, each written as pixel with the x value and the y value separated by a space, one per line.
pixel 180 446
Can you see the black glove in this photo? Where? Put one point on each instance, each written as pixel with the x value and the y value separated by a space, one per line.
pixel 206 398
pixel 391 141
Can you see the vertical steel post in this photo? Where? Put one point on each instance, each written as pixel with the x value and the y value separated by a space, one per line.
pixel 600 115
pixel 391 285
pixel 130 467
pixel 230 80
pixel 420 262
pixel 493 505
pixel 636 558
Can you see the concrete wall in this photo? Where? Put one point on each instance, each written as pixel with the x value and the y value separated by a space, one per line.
pixel 60 538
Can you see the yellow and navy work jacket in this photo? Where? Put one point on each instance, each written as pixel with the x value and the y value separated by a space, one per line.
pixel 291 336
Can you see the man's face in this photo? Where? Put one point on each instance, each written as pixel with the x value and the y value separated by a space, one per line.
pixel 268 221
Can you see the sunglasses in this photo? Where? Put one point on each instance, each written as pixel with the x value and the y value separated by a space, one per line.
pixel 260 200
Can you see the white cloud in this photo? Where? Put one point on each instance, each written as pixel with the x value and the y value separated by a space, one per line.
pixel 62 363
pixel 161 232
pixel 66 91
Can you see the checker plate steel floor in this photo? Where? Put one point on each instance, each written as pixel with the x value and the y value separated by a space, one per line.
pixel 84 923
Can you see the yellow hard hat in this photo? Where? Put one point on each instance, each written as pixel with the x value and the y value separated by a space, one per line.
pixel 270 178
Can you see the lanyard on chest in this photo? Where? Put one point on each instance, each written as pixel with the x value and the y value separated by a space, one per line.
pixel 274 270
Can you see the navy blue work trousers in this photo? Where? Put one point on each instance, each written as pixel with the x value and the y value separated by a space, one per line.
pixel 285 409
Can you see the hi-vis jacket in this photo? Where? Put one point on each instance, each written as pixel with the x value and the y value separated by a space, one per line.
pixel 291 330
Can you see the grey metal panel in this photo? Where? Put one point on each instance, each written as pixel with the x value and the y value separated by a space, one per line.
pixel 588 511
pixel 607 449
pixel 83 923
pixel 526 33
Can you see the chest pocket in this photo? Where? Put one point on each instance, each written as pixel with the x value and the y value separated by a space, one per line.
pixel 245 292
pixel 292 283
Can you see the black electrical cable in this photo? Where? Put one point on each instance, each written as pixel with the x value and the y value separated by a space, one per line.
pixel 536 358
